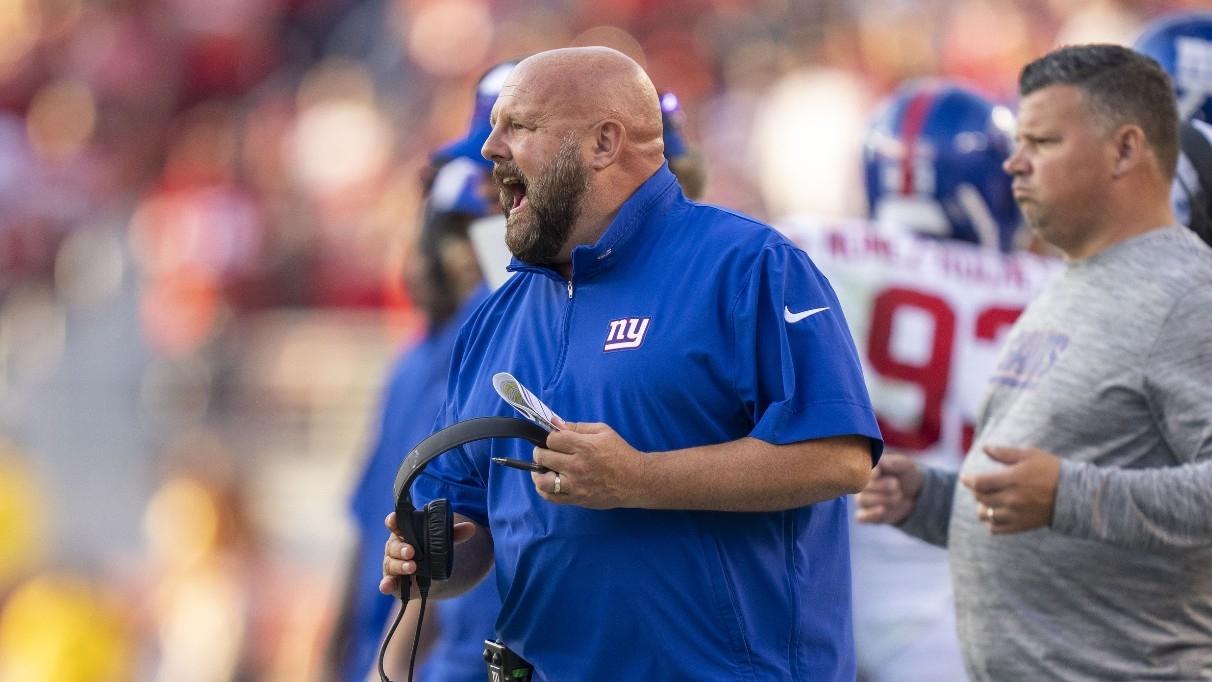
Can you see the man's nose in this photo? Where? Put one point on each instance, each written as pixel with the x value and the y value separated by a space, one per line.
pixel 1015 164
pixel 494 148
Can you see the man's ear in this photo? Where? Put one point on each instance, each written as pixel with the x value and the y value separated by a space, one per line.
pixel 1130 149
pixel 608 140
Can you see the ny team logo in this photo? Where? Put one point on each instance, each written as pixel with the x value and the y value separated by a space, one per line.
pixel 626 333
pixel 1028 357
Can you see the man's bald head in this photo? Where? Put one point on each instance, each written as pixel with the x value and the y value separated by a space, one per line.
pixel 590 84
pixel 574 133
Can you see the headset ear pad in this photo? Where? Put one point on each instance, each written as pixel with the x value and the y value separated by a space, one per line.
pixel 439 531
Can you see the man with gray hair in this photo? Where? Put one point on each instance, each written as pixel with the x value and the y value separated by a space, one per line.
pixel 1081 535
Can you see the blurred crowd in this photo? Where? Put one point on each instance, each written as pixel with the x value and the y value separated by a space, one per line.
pixel 205 206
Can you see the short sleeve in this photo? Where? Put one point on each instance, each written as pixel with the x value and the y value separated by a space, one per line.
pixel 797 367
pixel 452 475
pixel 1178 378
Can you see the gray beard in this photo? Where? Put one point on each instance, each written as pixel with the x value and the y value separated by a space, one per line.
pixel 555 200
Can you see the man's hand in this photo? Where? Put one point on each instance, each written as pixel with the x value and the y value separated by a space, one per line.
pixel 1021 496
pixel 596 468
pixel 398 554
pixel 891 492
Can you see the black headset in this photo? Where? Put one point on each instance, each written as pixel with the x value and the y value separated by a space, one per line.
pixel 429 530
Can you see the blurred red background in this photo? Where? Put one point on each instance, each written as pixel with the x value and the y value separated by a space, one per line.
pixel 204 209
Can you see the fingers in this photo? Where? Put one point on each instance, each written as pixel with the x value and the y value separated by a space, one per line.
pixel 892 464
pixel 988 484
pixel 575 435
pixel 545 484
pixel 1006 455
pixel 583 427
pixel 877 498
pixel 873 514
pixel 390 522
pixel 883 485
pixel 880 491
pixel 543 481
pixel 399 551
pixel 997 519
pixel 568 434
pixel 889 511
pixel 397 567
pixel 398 555
pixel 397 559
pixel 556 461
pixel 999 505
pixel 567 441
pixel 998 499
pixel 389 585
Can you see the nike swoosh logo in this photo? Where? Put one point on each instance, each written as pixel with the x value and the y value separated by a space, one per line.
pixel 792 318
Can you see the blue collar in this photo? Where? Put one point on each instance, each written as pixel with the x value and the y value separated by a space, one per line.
pixel 650 199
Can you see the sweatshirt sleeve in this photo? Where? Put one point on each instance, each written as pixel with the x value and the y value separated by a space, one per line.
pixel 1150 509
pixel 931 516
pixel 1167 507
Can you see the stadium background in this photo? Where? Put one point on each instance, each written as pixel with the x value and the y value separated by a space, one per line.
pixel 204 209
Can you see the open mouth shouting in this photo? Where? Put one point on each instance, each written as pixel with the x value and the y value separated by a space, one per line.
pixel 512 189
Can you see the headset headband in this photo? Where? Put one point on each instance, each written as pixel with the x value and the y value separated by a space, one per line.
pixel 462 433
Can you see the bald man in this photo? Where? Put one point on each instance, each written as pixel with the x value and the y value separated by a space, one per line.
pixel 691 524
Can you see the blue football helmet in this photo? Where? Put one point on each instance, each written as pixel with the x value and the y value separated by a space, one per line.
pixel 933 164
pixel 1182 44
pixel 479 128
pixel 458 187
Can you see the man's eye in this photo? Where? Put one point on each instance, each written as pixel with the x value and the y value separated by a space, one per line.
pixel 1027 143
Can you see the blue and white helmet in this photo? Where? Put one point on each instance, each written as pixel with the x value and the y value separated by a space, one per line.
pixel 933 164
pixel 479 127
pixel 1182 44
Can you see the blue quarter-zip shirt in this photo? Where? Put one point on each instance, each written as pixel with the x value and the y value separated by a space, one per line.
pixel 683 325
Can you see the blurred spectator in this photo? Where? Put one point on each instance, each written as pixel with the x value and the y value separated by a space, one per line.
pixel 212 608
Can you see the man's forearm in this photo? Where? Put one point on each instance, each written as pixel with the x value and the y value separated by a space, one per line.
pixel 931 516
pixel 472 561
pixel 1164 508
pixel 751 475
